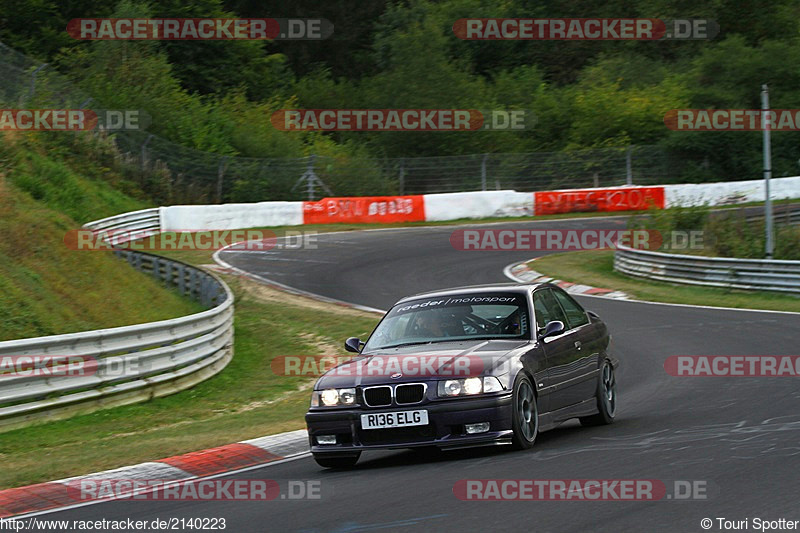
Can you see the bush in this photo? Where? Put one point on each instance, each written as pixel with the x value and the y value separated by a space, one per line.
pixel 732 235
pixel 725 233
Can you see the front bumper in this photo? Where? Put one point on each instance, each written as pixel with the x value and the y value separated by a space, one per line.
pixel 445 429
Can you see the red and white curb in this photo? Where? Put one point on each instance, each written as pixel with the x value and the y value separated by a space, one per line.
pixel 214 461
pixel 522 273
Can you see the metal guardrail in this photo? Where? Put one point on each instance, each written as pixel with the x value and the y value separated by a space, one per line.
pixel 130 363
pixel 787 215
pixel 143 223
pixel 748 274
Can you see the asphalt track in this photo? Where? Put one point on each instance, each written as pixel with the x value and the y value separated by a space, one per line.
pixel 739 436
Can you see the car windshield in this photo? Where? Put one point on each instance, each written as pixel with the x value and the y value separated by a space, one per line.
pixel 452 317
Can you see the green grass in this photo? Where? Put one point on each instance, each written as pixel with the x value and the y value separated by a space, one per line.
pixel 246 400
pixel 60 181
pixel 596 268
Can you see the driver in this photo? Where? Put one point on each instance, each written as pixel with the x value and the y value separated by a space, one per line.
pixel 429 324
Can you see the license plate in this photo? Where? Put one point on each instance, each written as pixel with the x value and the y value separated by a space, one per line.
pixel 398 419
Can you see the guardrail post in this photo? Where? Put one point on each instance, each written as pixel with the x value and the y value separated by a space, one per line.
pixel 204 290
pixel 192 277
pixel 181 280
pixel 156 268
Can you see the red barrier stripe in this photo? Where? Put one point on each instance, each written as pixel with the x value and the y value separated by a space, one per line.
pixel 365 209
pixel 33 498
pixel 602 200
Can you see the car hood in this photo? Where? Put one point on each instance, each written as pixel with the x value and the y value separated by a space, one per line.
pixel 421 362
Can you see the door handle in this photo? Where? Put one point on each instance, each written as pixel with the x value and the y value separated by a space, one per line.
pixel 578 345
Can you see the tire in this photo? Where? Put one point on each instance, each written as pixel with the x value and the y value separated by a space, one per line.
pixel 524 413
pixel 338 461
pixel 606 396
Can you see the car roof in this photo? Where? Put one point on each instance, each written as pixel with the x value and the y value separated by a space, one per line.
pixel 521 288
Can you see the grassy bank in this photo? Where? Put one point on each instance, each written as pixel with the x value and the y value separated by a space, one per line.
pixel 46 288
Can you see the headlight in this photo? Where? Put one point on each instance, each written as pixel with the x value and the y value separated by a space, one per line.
pixel 473 385
pixel 469 386
pixel 333 397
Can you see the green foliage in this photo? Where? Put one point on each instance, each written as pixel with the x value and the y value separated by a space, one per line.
pixel 731 235
pixel 787 243
pixel 725 233
pixel 218 96
pixel 48 171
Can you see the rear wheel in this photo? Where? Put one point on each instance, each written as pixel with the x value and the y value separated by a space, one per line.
pixel 336 461
pixel 606 398
pixel 525 414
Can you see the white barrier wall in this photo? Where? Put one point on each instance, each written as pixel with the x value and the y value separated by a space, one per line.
pixel 231 216
pixel 480 204
pixel 727 193
pixel 452 206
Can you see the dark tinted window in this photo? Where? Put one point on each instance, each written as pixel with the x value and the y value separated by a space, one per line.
pixel 576 316
pixel 453 317
pixel 546 308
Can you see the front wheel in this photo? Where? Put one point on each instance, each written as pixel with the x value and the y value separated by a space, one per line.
pixel 606 398
pixel 337 461
pixel 524 414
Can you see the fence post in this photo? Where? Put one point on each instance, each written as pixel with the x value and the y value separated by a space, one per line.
pixel 402 175
pixel 767 157
pixel 311 178
pixel 144 152
pixel 628 167
pixel 32 88
pixel 483 172
pixel 220 175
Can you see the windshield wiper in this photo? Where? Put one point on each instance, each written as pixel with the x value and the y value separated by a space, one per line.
pixel 448 339
pixel 403 344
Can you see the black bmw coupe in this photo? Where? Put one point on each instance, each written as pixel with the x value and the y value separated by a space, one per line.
pixel 469 366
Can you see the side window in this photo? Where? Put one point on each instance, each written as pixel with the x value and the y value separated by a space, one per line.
pixel 575 313
pixel 547 308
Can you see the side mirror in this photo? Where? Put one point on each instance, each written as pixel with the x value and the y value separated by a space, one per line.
pixel 556 327
pixel 353 344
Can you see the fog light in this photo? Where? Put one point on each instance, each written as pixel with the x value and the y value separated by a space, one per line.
pixel 483 427
pixel 331 439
